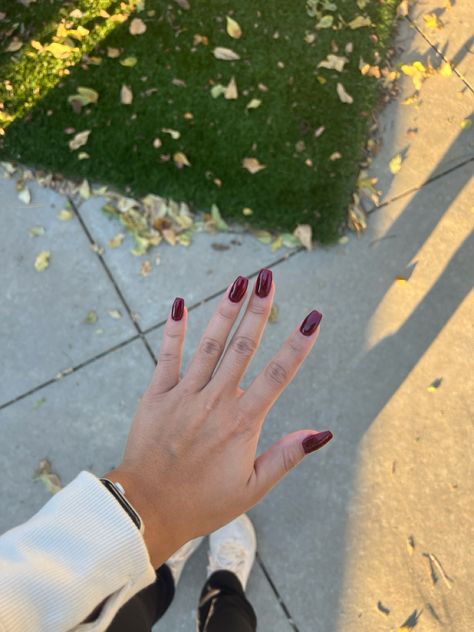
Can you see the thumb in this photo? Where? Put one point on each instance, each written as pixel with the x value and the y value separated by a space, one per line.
pixel 283 456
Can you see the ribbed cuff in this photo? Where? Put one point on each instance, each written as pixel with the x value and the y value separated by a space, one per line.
pixel 79 549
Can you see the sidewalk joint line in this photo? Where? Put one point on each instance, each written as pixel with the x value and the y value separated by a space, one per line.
pixel 423 184
pixel 114 283
pixel 277 594
pixel 71 371
pixel 438 52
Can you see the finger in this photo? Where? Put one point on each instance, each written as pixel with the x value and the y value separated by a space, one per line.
pixel 215 336
pixel 275 377
pixel 282 457
pixel 247 338
pixel 166 374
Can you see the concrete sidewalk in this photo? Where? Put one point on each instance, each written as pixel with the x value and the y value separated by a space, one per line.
pixel 374 531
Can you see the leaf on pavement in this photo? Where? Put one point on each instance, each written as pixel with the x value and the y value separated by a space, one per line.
pixel 24 195
pixel 304 233
pixel 42 260
pixel 225 54
pixel 344 96
pixel 466 124
pixel 117 241
pixel 36 231
pixel 432 21
pixel 44 474
pixel 252 165
pixel 217 218
pixel 396 163
pixel 233 28
pixel 91 317
pixel 146 268
pixel 435 384
pixel 115 314
pixel 65 215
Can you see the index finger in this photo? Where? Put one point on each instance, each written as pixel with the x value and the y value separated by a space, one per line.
pixel 282 368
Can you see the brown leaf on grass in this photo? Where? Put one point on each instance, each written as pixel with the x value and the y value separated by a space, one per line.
pixel 113 52
pixel 184 4
pixel 225 54
pixel 44 474
pixel 126 95
pixel 181 160
pixel 333 62
pixel 14 45
pixel 252 165
pixel 344 96
pixel 359 22
pixel 137 27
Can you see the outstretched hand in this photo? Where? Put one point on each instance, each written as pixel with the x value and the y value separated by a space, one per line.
pixel 190 462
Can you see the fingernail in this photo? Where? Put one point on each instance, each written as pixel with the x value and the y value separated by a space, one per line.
pixel 310 323
pixel 238 289
pixel 316 441
pixel 264 283
pixel 177 310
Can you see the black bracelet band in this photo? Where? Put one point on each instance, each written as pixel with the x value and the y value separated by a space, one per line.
pixel 123 502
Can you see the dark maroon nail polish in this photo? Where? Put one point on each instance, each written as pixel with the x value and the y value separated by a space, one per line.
pixel 264 283
pixel 310 323
pixel 238 289
pixel 316 441
pixel 177 310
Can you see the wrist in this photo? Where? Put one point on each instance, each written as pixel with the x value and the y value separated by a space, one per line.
pixel 155 537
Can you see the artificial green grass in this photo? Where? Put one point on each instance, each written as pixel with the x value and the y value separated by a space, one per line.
pixel 299 100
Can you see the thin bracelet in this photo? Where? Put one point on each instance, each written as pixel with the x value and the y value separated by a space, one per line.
pixel 117 490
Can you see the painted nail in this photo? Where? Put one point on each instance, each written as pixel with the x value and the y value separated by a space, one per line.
pixel 238 289
pixel 264 283
pixel 311 323
pixel 316 441
pixel 177 310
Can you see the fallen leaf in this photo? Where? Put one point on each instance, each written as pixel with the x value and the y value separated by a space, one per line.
pixel 432 21
pixel 395 164
pixel 146 268
pixel 225 54
pixel 113 52
pixel 417 71
pixel 402 9
pixel 97 249
pixel 126 95
pixel 59 51
pixel 91 317
pixel 36 231
pixel 264 236
pixel 252 165
pixel 233 28
pixel 137 27
pixel 325 22
pixel 83 155
pixel 216 216
pixel 356 216
pixel 333 62
pixel 273 316
pixel 289 240
pixel 65 215
pixel 157 143
pixel 39 403
pixel 335 156
pixel 411 100
pixel 115 314
pixel 278 243
pixel 42 260
pixel 343 95
pixel 184 4
pixel 44 474
pixel 217 90
pixel 116 241
pixel 231 90
pixel 173 133
pixel 247 211
pixel 84 96
pixel 446 70
pixel 253 104
pixel 319 131
pixel 85 190
pixel 24 195
pixel 180 160
pixel 466 124
pixel 435 384
pixel 359 22
pixel 343 240
pixel 128 62
pixel 79 139
pixel 169 235
pixel 14 45
pixel 304 233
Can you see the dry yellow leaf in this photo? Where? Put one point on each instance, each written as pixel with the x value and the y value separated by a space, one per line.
pixel 231 90
pixel 233 28
pixel 304 233
pixel 126 95
pixel 65 215
pixel 59 51
pixel 253 104
pixel 181 160
pixel 252 165
pixel 333 62
pixel 14 45
pixel 24 195
pixel 172 132
pixel 44 474
pixel 225 54
pixel 344 96
pixel 359 22
pixel 113 52
pixel 395 164
pixel 42 260
pixel 169 235
pixel 146 268
pixel 116 241
pixel 115 314
pixel 79 140
pixel 432 21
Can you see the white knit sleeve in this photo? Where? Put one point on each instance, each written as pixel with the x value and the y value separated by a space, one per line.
pixel 79 549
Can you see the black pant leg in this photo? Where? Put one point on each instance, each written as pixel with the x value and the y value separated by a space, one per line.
pixel 144 609
pixel 223 605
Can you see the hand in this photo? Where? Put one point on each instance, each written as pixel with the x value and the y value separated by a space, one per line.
pixel 190 462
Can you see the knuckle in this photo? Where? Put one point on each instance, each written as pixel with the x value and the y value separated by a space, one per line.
pixel 276 373
pixel 296 347
pixel 211 346
pixel 290 459
pixel 167 357
pixel 244 345
pixel 257 308
pixel 225 313
pixel 212 401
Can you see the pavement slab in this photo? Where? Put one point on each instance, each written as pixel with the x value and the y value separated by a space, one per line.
pixel 42 328
pixel 428 135
pixel 197 271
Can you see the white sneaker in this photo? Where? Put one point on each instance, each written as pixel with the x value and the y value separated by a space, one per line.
pixel 177 561
pixel 232 548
